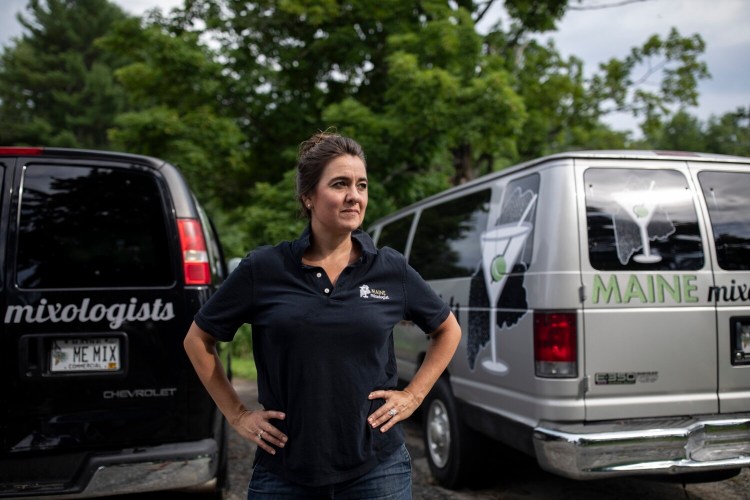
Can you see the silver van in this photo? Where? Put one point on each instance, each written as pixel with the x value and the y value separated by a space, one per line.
pixel 604 299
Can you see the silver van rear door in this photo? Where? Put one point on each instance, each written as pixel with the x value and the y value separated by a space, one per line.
pixel 726 190
pixel 649 346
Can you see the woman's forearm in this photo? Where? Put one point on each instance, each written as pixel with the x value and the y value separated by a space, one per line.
pixel 201 350
pixel 443 344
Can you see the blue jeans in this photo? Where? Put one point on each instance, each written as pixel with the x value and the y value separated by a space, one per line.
pixel 390 480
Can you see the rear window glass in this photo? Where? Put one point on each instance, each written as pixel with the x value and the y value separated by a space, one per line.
pixel 641 219
pixel 395 233
pixel 83 227
pixel 447 240
pixel 727 196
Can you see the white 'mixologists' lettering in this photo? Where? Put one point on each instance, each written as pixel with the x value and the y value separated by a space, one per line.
pixel 86 312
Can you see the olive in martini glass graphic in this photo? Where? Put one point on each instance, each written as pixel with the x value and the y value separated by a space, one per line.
pixel 501 248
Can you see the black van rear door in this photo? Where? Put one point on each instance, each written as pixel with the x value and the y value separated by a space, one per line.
pixel 94 318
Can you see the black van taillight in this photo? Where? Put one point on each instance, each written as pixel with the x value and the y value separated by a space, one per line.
pixel 19 151
pixel 555 344
pixel 194 255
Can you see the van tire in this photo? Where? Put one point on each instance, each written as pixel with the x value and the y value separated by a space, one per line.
pixel 447 440
pixel 222 472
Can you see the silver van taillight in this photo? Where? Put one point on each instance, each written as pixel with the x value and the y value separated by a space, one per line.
pixel 194 255
pixel 555 344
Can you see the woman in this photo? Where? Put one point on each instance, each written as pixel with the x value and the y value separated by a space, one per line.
pixel 323 309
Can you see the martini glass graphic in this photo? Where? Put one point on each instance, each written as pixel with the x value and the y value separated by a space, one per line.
pixel 640 207
pixel 501 248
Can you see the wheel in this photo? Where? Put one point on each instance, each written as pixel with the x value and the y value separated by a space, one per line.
pixel 447 440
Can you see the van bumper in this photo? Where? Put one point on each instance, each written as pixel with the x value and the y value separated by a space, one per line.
pixel 653 446
pixel 191 465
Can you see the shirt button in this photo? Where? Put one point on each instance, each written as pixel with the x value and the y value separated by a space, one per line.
pixel 319 275
pixel 327 290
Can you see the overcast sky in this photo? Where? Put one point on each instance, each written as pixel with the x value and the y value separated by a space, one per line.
pixel 596 35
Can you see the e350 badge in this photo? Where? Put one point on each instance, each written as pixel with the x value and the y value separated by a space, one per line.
pixel 625 378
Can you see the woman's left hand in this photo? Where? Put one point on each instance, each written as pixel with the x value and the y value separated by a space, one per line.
pixel 399 405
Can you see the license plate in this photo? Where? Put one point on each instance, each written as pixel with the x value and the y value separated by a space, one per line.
pixel 85 355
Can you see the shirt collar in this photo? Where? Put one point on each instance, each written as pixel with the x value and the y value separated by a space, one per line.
pixel 303 242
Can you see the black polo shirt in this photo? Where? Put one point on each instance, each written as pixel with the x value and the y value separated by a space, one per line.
pixel 320 350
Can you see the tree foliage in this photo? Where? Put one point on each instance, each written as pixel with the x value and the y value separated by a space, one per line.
pixel 726 134
pixel 227 89
pixel 175 91
pixel 56 85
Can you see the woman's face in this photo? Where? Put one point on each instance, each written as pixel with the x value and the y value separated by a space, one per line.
pixel 338 203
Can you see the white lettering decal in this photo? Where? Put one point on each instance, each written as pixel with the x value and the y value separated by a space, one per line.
pixel 167 313
pixel 98 312
pixel 69 313
pixel 84 309
pixel 115 314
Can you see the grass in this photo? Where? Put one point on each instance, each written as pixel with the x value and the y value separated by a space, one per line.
pixel 244 367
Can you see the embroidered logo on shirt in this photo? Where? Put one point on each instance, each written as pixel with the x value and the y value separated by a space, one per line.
pixel 365 292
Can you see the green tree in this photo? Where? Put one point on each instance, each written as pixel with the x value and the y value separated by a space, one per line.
pixel 445 105
pixel 56 85
pixel 174 87
pixel 729 133
pixel 681 132
pixel 422 89
pixel 400 76
pixel 433 101
pixel 621 84
pixel 725 134
pixel 289 60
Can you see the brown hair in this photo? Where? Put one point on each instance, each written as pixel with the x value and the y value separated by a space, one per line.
pixel 313 157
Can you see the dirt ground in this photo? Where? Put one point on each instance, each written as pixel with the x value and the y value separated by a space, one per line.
pixel 522 480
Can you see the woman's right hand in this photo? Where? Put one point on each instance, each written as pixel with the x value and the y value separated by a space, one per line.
pixel 256 426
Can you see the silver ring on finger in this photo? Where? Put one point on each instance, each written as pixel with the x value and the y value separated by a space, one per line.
pixel 260 434
pixel 392 412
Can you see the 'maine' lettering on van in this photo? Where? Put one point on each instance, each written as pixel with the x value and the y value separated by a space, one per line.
pixel 86 312
pixel 649 289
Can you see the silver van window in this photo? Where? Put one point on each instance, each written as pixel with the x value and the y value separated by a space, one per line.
pixel 395 233
pixel 639 219
pixel 727 196
pixel 519 207
pixel 447 240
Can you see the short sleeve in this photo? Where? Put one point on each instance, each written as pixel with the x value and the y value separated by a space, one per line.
pixel 231 306
pixel 423 306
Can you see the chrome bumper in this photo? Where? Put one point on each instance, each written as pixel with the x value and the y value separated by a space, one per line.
pixel 166 467
pixel 658 446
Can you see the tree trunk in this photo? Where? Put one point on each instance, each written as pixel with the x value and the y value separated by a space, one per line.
pixel 462 164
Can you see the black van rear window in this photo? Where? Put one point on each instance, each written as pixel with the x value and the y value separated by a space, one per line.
pixel 83 227
pixel 641 219
pixel 727 196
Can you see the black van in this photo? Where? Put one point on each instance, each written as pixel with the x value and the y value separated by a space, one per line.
pixel 106 257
